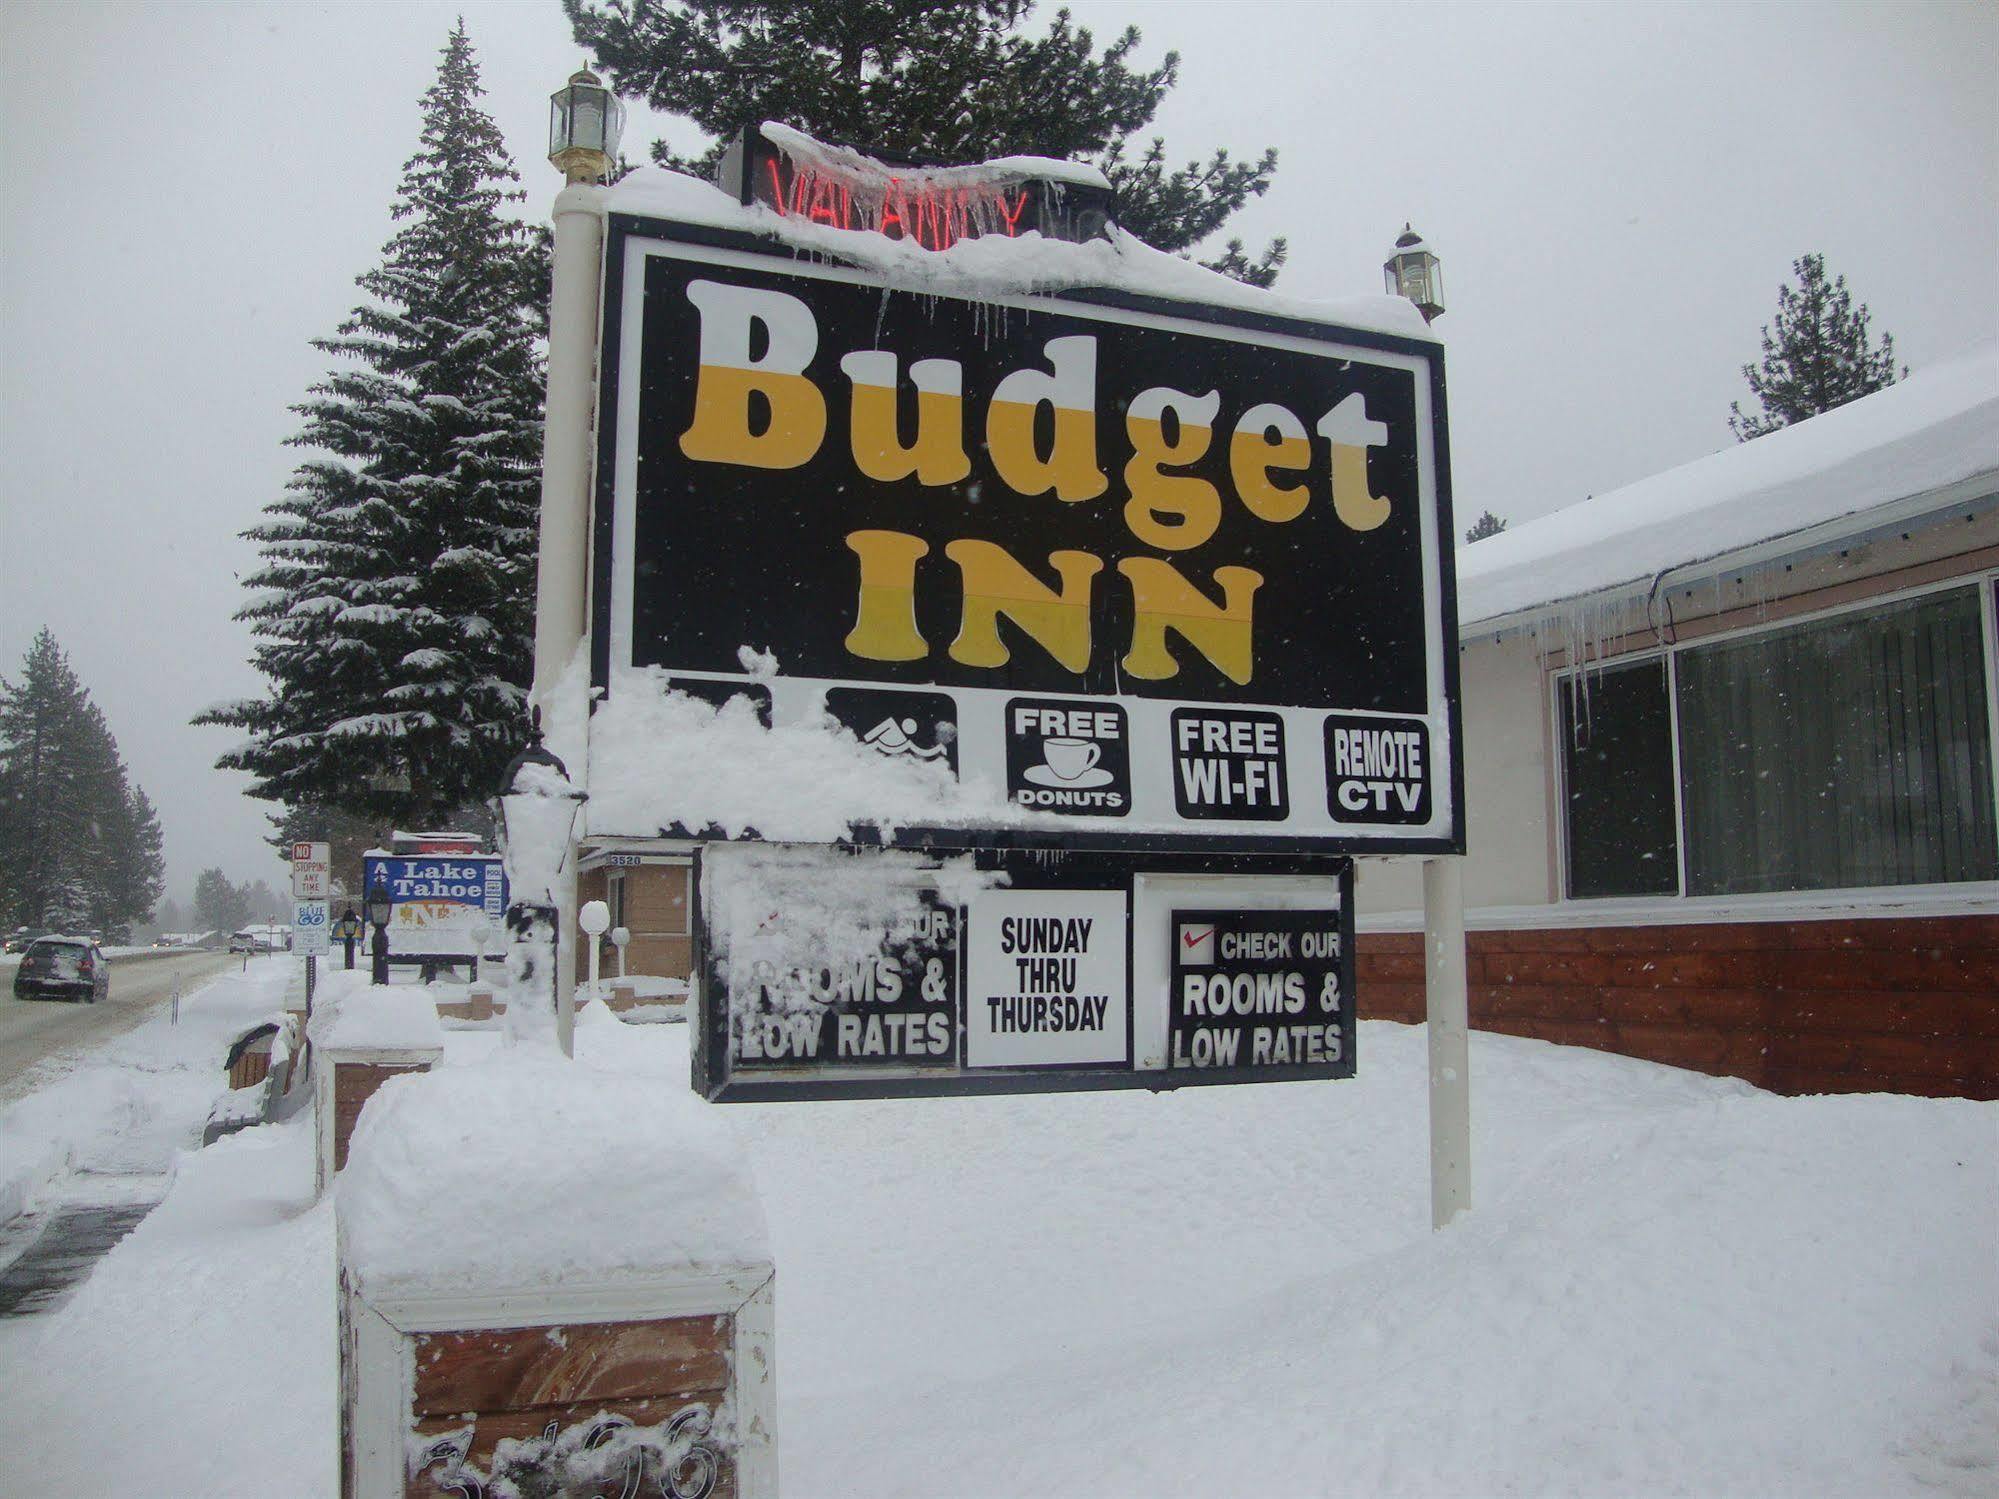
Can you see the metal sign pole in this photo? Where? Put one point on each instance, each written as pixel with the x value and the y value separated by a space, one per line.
pixel 311 974
pixel 1446 1005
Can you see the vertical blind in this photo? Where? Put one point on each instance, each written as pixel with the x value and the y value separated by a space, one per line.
pixel 1846 752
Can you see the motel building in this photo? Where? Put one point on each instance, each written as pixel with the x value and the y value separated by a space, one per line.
pixel 1729 761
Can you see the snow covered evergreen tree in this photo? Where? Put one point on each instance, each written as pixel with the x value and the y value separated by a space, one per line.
pixel 1819 357
pixel 79 844
pixel 394 609
pixel 218 905
pixel 954 80
pixel 1486 525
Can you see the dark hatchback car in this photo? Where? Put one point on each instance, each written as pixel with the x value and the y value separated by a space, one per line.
pixel 63 968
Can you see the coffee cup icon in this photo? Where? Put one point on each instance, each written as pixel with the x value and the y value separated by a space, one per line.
pixel 1071 759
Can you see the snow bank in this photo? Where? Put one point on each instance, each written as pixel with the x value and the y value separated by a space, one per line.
pixel 141 1098
pixel 199 1358
pixel 804 782
pixel 1669 1283
pixel 993 266
pixel 1937 428
pixel 531 1171
pixel 350 1012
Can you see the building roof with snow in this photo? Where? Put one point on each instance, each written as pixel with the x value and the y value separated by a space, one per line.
pixel 1917 450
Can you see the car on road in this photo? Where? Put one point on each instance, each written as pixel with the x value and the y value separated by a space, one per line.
pixel 21 938
pixel 72 968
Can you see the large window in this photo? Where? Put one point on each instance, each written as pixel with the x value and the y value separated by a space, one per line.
pixel 1846 752
pixel 1617 729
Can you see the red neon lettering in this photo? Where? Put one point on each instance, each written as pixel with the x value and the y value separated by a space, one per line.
pixel 776 185
pixel 1012 219
pixel 889 214
pixel 822 203
pixel 846 207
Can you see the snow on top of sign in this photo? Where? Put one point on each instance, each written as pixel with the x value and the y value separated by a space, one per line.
pixel 1937 428
pixel 995 266
pixel 660 758
pixel 797 144
pixel 353 1014
pixel 531 1171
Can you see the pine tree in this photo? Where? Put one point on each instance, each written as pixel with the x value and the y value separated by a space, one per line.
pixel 1819 357
pixel 950 80
pixel 218 905
pixel 79 844
pixel 1486 525
pixel 394 607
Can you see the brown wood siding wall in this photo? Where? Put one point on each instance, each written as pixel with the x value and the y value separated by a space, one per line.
pixel 1850 1006
pixel 517 1382
pixel 354 1083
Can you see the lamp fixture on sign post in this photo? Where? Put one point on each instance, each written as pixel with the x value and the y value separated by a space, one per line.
pixel 1413 272
pixel 538 807
pixel 379 910
pixel 585 120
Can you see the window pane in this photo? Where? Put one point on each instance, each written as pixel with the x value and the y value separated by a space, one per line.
pixel 1618 756
pixel 1849 752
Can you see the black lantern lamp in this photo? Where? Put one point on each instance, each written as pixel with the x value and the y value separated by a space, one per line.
pixel 585 120
pixel 379 908
pixel 1413 272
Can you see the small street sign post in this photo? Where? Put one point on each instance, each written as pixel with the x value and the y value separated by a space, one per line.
pixel 312 884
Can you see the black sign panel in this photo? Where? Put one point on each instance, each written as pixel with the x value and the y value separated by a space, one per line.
pixel 1269 991
pixel 893 1005
pixel 1215 522
pixel 1377 769
pixel 1069 757
pixel 1324 613
pixel 919 726
pixel 1229 764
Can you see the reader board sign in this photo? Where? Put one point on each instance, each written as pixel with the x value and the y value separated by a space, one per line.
pixel 867 973
pixel 1160 574
pixel 439 904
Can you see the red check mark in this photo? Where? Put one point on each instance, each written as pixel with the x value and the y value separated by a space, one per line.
pixel 1195 939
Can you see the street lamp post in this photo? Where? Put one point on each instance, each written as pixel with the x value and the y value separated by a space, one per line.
pixel 379 910
pixel 621 937
pixel 584 119
pixel 348 929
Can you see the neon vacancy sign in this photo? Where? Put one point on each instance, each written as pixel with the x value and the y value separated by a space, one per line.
pixel 933 206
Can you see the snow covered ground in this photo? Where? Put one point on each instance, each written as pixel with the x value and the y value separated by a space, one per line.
pixel 1671 1284
pixel 128 1107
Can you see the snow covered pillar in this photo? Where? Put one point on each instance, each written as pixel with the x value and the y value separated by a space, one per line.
pixel 1450 1049
pixel 561 574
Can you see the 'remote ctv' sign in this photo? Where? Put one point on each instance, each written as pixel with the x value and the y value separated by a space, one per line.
pixel 1171 575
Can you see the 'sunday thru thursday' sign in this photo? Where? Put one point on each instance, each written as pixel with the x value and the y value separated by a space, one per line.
pixel 1162 574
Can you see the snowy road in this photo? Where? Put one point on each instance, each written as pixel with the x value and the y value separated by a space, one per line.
pixel 33 1030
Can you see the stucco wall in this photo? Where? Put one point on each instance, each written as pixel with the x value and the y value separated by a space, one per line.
pixel 1507 789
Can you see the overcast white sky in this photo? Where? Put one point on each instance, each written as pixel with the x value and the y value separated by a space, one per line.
pixel 1616 192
